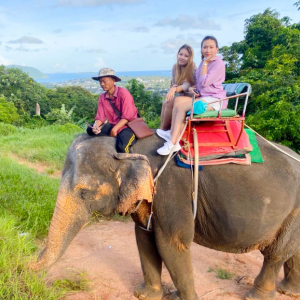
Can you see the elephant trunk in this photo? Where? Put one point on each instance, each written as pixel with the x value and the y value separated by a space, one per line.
pixel 68 218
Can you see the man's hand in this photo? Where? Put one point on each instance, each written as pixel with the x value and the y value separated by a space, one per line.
pixel 96 129
pixel 114 132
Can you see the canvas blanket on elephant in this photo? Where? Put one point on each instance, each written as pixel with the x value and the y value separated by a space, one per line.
pixel 206 134
pixel 239 209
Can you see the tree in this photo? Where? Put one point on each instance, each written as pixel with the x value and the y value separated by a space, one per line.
pixel 269 58
pixel 21 89
pixel 60 116
pixel 147 103
pixel 8 112
pixel 85 102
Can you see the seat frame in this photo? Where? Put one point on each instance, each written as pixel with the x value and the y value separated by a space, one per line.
pixel 224 122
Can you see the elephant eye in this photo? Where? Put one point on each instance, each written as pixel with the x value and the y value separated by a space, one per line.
pixel 83 194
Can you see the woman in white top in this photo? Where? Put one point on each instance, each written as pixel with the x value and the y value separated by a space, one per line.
pixel 183 77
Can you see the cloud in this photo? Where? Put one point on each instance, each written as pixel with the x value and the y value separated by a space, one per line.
pixel 80 3
pixel 240 14
pixel 171 46
pixel 26 40
pixel 4 61
pixel 96 51
pixel 140 29
pixel 21 48
pixel 59 66
pixel 0 43
pixel 57 31
pixel 151 46
pixel 154 51
pixel 197 36
pixel 127 27
pixel 184 22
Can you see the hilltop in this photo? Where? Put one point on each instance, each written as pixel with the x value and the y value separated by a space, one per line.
pixel 32 72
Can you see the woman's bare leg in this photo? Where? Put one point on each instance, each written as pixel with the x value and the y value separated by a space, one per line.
pixel 166 114
pixel 181 106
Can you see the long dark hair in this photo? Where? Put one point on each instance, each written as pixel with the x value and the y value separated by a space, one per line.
pixel 208 37
pixel 185 73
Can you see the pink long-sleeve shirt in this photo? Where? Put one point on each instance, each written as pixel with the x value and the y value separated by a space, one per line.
pixel 210 84
pixel 124 103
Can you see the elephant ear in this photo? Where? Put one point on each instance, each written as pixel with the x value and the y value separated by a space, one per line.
pixel 135 180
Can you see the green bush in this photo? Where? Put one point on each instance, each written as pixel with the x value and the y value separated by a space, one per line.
pixel 8 112
pixel 67 128
pixel 7 129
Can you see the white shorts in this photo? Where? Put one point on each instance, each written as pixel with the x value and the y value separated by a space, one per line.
pixel 215 106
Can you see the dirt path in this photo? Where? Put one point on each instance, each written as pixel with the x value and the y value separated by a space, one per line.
pixel 107 253
pixel 40 167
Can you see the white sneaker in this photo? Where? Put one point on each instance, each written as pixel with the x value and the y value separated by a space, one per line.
pixel 167 148
pixel 164 134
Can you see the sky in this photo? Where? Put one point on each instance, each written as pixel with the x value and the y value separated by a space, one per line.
pixel 125 35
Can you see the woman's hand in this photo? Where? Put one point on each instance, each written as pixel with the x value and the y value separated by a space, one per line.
pixel 171 93
pixel 193 90
pixel 208 59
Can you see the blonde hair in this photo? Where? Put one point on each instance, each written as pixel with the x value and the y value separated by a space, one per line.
pixel 185 73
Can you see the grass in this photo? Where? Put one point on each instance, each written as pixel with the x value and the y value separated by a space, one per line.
pixel 17 282
pixel 47 144
pixel 221 273
pixel 27 196
pixel 27 201
pixel 76 282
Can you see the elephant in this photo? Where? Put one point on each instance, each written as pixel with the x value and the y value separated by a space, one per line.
pixel 240 209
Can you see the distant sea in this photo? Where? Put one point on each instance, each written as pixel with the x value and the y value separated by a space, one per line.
pixel 62 77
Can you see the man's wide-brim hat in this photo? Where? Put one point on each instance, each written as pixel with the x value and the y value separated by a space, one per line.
pixel 106 72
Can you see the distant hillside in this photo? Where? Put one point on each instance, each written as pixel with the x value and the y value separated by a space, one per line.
pixel 32 72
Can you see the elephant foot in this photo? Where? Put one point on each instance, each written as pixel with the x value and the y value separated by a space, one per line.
pixel 255 294
pixel 174 296
pixel 288 289
pixel 149 293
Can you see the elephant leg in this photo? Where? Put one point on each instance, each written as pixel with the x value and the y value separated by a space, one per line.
pixel 151 265
pixel 264 285
pixel 290 285
pixel 179 264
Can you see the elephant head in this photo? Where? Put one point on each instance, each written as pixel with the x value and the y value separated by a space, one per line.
pixel 95 178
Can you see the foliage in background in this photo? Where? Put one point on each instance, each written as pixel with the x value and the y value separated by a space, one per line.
pixel 23 92
pixel 147 103
pixel 269 59
pixel 8 112
pixel 7 129
pixel 60 116
pixel 83 102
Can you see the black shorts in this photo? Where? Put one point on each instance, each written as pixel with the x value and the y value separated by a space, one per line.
pixel 125 138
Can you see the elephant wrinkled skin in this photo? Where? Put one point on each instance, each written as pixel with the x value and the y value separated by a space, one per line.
pixel 240 208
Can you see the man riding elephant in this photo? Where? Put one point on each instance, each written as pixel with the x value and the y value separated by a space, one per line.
pixel 117 106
